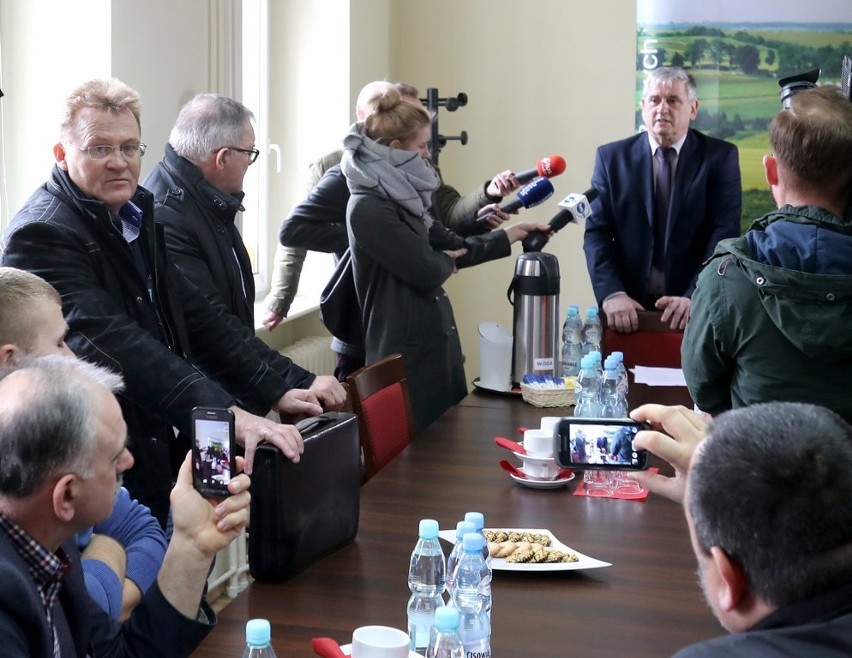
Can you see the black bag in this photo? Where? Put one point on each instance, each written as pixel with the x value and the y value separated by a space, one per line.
pixel 302 512
pixel 339 309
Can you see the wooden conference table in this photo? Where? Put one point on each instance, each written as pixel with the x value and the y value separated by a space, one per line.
pixel 646 604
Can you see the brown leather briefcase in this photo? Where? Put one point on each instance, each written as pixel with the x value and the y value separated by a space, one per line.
pixel 302 512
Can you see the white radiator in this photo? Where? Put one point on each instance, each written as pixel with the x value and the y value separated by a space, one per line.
pixel 314 354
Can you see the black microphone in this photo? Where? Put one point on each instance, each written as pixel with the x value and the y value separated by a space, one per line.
pixel 548 167
pixel 575 208
pixel 530 195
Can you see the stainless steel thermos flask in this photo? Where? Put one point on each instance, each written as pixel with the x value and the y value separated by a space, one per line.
pixel 534 293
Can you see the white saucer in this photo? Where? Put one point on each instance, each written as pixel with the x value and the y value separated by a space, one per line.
pixel 542 484
pixel 515 390
pixel 347 649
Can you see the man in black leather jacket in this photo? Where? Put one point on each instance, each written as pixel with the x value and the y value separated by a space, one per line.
pixel 90 232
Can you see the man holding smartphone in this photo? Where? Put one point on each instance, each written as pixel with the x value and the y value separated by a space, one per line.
pixel 63 439
pixel 121 554
pixel 766 490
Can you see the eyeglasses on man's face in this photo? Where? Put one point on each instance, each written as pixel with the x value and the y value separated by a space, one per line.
pixel 251 153
pixel 103 151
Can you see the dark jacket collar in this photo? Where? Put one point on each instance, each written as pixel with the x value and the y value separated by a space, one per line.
pixel 206 194
pixel 820 608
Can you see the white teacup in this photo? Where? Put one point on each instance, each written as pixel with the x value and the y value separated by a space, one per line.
pixel 539 443
pixel 549 423
pixel 540 469
pixel 379 642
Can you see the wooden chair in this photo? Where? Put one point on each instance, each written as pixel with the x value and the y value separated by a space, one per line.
pixel 654 344
pixel 380 399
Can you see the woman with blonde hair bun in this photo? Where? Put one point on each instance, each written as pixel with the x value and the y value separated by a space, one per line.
pixel 401 256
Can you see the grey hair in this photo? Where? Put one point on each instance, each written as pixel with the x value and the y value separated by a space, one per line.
pixel 51 427
pixel 207 123
pixel 667 76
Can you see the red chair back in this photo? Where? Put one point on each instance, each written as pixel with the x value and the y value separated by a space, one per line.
pixel 380 399
pixel 654 344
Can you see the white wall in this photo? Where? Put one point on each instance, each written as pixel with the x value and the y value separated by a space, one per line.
pixel 37 63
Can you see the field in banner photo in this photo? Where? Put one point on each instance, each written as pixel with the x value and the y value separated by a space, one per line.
pixel 737 68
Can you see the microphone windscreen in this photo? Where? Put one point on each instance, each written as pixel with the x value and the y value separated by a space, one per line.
pixel 535 192
pixel 551 166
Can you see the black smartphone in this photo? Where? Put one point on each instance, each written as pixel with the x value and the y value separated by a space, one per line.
pixel 213 451
pixel 599 443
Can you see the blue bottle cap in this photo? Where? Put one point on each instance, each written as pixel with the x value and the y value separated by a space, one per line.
pixel 447 619
pixel 473 542
pixel 477 518
pixel 592 311
pixel 428 529
pixel 618 355
pixel 258 632
pixel 573 311
pixel 464 527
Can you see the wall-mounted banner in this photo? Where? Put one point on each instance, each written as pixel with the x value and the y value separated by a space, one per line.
pixel 737 51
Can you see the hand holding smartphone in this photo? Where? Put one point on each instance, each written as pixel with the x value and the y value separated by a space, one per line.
pixel 600 444
pixel 213 451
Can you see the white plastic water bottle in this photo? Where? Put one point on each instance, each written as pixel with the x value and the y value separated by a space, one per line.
pixel 462 528
pixel 426 579
pixel 572 342
pixel 592 331
pixel 597 364
pixel 587 389
pixel 258 639
pixel 623 381
pixel 472 597
pixel 478 521
pixel 612 405
pixel 446 641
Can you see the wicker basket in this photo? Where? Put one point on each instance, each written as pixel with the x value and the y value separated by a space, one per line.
pixel 547 397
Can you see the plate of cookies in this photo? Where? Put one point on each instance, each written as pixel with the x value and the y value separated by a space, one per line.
pixel 525 549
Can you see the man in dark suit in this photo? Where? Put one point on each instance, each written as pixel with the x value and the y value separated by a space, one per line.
pixel 644 247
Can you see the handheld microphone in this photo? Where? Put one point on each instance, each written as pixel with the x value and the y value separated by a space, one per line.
pixel 575 208
pixel 548 167
pixel 530 195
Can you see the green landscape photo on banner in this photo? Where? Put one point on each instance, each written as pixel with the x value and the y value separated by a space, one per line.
pixel 737 52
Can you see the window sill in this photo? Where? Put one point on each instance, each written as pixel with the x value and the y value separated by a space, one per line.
pixel 300 307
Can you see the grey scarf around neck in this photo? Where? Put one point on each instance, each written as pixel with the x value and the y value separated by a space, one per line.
pixel 404 177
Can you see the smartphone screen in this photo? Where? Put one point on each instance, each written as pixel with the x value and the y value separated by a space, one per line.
pixel 213 443
pixel 599 443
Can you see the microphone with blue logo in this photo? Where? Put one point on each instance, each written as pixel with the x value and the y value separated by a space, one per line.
pixel 576 208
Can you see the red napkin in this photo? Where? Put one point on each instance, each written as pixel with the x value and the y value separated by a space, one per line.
pixel 578 490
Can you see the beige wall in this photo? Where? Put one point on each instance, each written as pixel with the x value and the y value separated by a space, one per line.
pixel 546 77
